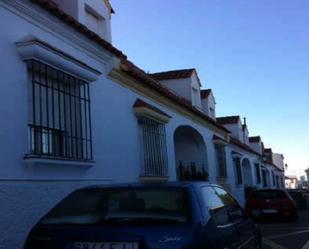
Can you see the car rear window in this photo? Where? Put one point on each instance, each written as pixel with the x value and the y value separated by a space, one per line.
pixel 268 194
pixel 296 194
pixel 91 206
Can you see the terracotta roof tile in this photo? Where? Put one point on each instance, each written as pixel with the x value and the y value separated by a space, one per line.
pixel 173 74
pixel 256 139
pixel 228 120
pixel 205 93
pixel 53 8
pixel 148 81
pixel 243 146
pixel 141 103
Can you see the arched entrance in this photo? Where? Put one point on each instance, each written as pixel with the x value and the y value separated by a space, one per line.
pixel 247 172
pixel 190 154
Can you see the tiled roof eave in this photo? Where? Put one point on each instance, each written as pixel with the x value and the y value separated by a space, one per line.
pixel 137 73
pixel 53 9
pixel 243 146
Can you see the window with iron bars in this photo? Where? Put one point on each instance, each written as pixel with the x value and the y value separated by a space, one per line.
pixel 257 173
pixel 60 119
pixel 238 170
pixel 221 161
pixel 154 151
pixel 264 178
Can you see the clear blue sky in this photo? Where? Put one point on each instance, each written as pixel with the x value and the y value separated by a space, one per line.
pixel 253 54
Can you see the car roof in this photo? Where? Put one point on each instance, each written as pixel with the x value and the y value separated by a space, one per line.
pixel 176 184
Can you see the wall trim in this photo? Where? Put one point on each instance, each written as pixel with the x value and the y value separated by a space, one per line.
pixel 117 76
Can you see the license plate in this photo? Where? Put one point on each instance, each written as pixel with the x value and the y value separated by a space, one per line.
pixel 269 211
pixel 103 245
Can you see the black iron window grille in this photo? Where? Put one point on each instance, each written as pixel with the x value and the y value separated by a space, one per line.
pixel 274 179
pixel 264 178
pixel 60 117
pixel 237 164
pixel 192 172
pixel 221 161
pixel 257 173
pixel 154 150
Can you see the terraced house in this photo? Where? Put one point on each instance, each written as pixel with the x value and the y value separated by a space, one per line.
pixel 77 112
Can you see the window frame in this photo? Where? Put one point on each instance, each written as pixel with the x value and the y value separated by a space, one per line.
pixel 49 135
pixel 221 161
pixel 258 172
pixel 152 135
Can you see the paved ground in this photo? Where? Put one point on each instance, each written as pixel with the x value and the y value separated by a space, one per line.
pixel 287 235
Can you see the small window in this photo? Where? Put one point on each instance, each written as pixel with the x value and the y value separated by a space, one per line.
pixel 195 97
pixel 94 20
pixel 154 151
pixel 212 112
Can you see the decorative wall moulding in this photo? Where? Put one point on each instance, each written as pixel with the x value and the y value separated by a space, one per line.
pixel 45 53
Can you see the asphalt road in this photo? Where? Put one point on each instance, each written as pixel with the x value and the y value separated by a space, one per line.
pixel 286 235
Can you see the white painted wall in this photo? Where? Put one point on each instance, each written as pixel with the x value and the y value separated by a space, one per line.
pixel 256 147
pixel 28 191
pixel 94 14
pixel 236 130
pixel 182 87
pixel 187 88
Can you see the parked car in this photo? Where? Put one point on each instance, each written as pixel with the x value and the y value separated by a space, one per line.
pixel 299 198
pixel 137 216
pixel 271 203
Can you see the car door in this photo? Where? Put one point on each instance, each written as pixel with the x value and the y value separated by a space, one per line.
pixel 247 232
pixel 225 232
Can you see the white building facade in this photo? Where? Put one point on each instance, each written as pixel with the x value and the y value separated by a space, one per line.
pixel 76 112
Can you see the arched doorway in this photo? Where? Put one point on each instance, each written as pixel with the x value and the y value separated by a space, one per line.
pixel 247 172
pixel 190 154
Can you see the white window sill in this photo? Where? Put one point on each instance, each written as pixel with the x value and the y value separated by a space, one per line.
pixel 153 179
pixel 53 161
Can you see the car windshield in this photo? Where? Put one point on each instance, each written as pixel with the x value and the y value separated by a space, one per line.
pixel 268 194
pixel 96 206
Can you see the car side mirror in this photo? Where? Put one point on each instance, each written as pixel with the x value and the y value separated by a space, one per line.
pixel 236 215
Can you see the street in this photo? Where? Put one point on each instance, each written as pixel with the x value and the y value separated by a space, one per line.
pixel 287 235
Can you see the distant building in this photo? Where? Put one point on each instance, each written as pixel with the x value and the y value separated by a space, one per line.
pixel 291 182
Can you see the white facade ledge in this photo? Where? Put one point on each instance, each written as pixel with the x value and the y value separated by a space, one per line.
pixel 55 161
pixel 41 51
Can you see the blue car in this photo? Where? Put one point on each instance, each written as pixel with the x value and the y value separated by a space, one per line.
pixel 182 215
